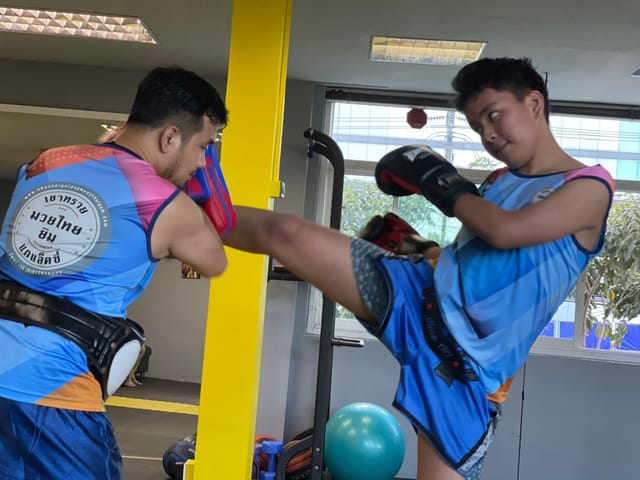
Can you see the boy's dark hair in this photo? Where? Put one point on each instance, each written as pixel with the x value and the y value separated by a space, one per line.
pixel 515 75
pixel 179 96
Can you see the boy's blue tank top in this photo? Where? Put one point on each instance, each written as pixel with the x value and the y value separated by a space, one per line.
pixel 496 302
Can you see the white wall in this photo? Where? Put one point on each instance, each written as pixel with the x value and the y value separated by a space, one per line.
pixel 173 312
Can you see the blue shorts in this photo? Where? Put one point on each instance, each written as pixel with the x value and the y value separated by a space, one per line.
pixel 44 443
pixel 438 391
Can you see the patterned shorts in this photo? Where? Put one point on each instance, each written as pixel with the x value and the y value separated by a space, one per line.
pixel 438 391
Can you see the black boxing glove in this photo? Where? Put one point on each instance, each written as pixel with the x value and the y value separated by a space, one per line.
pixel 418 169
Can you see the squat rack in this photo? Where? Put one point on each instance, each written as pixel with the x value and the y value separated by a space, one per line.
pixel 321 144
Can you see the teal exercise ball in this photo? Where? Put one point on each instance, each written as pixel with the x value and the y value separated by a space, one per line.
pixel 363 441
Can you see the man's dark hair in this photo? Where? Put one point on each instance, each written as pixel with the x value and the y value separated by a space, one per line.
pixel 179 96
pixel 515 75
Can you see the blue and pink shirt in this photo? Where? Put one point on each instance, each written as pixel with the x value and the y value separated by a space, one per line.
pixel 78 226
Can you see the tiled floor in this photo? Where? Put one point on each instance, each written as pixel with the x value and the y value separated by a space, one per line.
pixel 144 435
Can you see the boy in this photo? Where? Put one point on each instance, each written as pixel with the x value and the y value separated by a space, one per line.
pixel 462 330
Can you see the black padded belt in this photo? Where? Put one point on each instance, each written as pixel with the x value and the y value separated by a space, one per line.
pixel 108 342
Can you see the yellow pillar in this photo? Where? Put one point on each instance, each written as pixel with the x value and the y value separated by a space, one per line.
pixel 250 160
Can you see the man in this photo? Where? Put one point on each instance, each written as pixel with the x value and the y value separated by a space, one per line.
pixel 85 229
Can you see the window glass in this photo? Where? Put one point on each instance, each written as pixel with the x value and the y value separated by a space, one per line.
pixel 366 132
pixel 612 290
pixel 361 200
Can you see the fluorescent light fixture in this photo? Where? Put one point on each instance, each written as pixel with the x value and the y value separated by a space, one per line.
pixel 426 52
pixel 85 25
pixel 636 73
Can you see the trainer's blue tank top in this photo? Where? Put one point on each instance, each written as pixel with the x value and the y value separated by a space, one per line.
pixel 505 298
pixel 78 226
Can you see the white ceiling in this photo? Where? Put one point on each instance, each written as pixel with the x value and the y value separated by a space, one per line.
pixel 588 47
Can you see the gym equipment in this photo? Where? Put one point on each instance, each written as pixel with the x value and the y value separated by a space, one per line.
pixel 177 454
pixel 321 144
pixel 416 118
pixel 297 464
pixel 260 459
pixel 266 453
pixel 363 440
pixel 209 190
pixel 111 344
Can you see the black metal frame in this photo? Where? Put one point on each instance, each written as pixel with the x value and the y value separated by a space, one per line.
pixel 322 144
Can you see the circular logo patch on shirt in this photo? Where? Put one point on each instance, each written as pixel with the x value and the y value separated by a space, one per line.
pixel 58 228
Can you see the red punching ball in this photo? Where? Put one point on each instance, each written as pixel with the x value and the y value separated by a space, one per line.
pixel 416 118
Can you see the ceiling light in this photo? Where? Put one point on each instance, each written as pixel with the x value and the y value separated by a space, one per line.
pixel 636 73
pixel 86 25
pixel 426 52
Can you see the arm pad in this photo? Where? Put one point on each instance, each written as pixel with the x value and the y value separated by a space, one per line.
pixel 209 190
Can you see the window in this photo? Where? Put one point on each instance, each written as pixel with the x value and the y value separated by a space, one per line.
pixel 366 130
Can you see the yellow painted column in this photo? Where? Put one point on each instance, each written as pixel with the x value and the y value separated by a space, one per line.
pixel 250 160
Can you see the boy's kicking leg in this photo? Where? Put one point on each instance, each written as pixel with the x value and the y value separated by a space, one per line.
pixel 323 257
pixel 317 254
